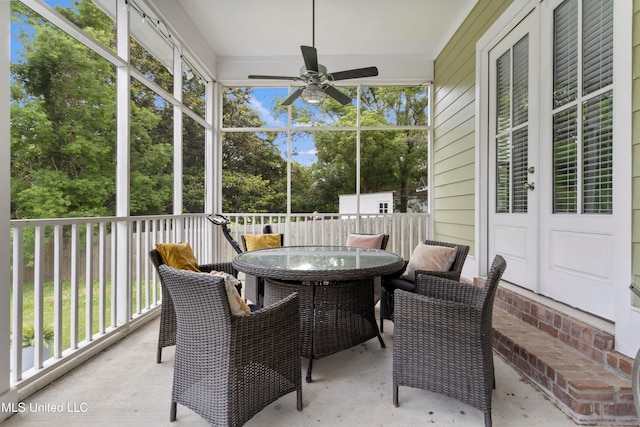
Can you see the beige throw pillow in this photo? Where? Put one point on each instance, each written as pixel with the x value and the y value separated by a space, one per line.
pixel 429 258
pixel 236 303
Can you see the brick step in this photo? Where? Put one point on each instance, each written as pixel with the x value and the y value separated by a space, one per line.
pixel 574 364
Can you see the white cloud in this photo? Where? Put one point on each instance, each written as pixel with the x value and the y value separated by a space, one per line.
pixel 265 114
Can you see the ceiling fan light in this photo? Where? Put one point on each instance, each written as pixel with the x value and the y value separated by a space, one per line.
pixel 313 95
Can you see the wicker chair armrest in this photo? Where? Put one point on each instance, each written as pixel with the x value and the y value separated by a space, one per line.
pixel 227 267
pixel 446 289
pixel 421 312
pixel 277 323
pixel 451 275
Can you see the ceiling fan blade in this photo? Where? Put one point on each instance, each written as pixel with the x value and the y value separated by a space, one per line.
pixel 310 55
pixel 336 94
pixel 255 76
pixel 293 96
pixel 353 74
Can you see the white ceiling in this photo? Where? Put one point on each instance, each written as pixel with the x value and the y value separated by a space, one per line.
pixel 234 38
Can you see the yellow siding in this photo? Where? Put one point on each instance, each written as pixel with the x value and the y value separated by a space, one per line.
pixel 454 127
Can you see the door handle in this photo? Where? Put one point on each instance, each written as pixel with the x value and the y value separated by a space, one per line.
pixel 530 186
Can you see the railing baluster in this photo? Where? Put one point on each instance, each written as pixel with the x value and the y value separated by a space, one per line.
pixel 75 254
pixel 147 249
pixel 18 307
pixel 114 274
pixel 102 281
pixel 38 296
pixel 138 265
pixel 88 302
pixel 58 241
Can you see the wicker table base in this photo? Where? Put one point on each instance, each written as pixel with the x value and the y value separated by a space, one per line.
pixel 334 315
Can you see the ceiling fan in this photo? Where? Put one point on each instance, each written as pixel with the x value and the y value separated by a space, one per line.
pixel 316 78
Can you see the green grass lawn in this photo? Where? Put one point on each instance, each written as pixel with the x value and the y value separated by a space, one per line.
pixel 48 308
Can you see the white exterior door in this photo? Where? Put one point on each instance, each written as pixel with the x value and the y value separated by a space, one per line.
pixel 551 175
pixel 577 215
pixel 513 154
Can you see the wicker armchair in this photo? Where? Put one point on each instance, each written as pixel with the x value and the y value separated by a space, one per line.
pixel 393 282
pixel 168 325
pixel 443 338
pixel 228 368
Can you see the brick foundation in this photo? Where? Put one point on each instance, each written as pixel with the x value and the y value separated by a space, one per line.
pixel 573 363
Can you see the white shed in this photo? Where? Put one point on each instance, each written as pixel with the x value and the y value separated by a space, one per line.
pixel 372 203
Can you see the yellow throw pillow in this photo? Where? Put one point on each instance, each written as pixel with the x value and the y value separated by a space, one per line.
pixel 262 241
pixel 429 258
pixel 178 255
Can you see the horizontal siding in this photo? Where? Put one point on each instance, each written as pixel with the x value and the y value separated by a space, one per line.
pixel 456 100
pixel 456 202
pixel 454 127
pixel 453 216
pixel 447 130
pixel 455 173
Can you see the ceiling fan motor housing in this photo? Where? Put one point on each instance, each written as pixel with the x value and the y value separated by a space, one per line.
pixel 312 76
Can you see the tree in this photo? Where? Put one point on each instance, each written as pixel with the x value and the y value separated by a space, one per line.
pixel 62 115
pixel 63 125
pixel 390 160
pixel 254 172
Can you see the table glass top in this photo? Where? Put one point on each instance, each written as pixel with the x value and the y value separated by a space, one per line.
pixel 317 258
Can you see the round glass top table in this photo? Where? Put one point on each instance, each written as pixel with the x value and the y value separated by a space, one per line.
pixel 335 289
pixel 318 263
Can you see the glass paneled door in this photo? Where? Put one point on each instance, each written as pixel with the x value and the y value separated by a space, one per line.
pixel 577 216
pixel 513 203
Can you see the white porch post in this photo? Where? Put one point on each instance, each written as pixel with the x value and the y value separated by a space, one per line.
pixel 123 248
pixel 177 144
pixel 8 396
pixel 212 180
pixel 213 161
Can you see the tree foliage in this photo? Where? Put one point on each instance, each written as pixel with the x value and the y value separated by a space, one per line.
pixel 62 114
pixel 390 160
pixel 63 135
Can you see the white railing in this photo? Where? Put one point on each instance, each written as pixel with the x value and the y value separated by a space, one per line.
pixel 405 230
pixel 68 292
pixel 76 286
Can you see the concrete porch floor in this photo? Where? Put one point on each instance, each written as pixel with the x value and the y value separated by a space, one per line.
pixel 123 386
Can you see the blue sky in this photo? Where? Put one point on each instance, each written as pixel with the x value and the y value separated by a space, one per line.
pixel 302 145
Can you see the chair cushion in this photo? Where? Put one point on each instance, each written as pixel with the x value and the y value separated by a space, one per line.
pixel 262 241
pixel 178 255
pixel 373 241
pixel 429 258
pixel 236 303
pixel 399 283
